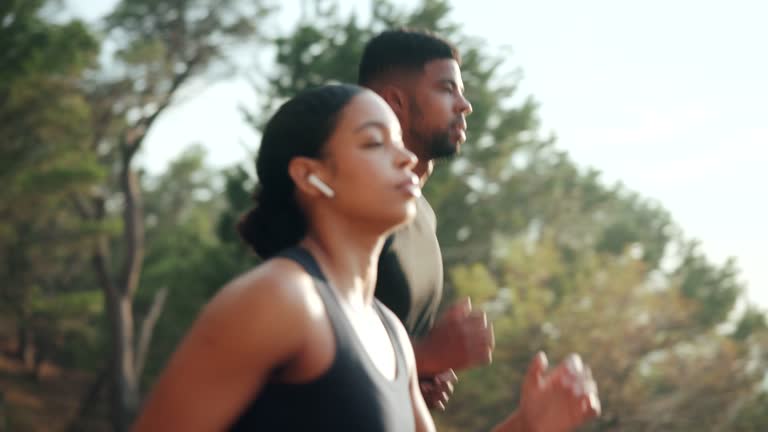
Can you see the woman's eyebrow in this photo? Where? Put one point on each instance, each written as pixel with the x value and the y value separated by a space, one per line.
pixel 372 123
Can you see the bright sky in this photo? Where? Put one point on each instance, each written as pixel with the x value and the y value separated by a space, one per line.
pixel 667 97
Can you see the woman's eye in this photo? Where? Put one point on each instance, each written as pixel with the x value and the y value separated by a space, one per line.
pixel 373 144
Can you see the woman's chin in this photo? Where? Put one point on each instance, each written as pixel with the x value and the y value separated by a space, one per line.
pixel 405 217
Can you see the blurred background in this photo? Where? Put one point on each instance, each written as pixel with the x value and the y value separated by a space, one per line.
pixel 608 200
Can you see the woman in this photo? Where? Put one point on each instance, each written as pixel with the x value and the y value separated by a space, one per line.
pixel 299 343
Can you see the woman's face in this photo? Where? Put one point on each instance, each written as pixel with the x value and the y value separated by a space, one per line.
pixel 368 167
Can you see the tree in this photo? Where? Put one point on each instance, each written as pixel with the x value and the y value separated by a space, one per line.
pixel 161 46
pixel 42 163
pixel 657 368
pixel 192 248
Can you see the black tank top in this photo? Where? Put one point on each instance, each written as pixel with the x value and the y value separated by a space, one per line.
pixel 352 395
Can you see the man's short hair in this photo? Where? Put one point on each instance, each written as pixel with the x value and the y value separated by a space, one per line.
pixel 402 49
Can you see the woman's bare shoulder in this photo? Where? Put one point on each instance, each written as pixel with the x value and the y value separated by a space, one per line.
pixel 277 281
pixel 276 295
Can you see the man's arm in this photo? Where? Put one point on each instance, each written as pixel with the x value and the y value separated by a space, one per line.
pixel 438 389
pixel 460 339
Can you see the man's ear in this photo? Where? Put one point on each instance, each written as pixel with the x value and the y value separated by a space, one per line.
pixel 396 99
pixel 300 168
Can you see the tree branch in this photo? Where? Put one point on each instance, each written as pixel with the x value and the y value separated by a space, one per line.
pixel 140 129
pixel 133 213
pixel 82 207
pixel 100 262
pixel 148 327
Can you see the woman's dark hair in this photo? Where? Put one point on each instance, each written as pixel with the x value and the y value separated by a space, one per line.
pixel 300 127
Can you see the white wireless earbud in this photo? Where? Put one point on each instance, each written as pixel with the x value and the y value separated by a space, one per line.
pixel 321 186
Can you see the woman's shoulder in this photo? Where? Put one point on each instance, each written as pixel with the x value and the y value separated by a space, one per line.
pixel 278 294
pixel 279 280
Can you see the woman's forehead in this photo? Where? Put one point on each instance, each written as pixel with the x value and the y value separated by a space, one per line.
pixel 368 109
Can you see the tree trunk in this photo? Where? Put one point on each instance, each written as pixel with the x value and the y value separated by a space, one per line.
pixel 26 347
pixel 120 286
pixel 43 348
pixel 118 294
pixel 148 329
pixel 89 400
pixel 124 390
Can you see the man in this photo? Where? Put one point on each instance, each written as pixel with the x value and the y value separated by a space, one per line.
pixel 419 75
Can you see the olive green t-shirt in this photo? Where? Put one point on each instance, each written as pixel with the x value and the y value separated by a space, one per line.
pixel 410 277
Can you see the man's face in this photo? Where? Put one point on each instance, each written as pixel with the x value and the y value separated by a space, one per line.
pixel 437 110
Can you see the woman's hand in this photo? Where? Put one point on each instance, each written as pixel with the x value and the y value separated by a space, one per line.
pixel 560 400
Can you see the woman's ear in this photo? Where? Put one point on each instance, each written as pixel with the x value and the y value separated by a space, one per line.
pixel 310 177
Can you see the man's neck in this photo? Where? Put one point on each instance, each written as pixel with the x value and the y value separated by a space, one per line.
pixel 423 170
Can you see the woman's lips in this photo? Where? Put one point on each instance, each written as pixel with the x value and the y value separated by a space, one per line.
pixel 410 186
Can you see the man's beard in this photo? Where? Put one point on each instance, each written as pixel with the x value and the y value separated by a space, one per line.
pixel 440 146
pixel 437 145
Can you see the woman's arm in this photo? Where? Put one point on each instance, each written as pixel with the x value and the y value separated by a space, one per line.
pixel 257 322
pixel 559 400
pixel 554 401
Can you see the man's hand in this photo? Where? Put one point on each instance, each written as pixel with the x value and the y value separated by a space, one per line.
pixel 460 339
pixel 560 400
pixel 438 389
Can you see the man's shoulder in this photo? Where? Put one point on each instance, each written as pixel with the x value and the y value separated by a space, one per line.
pixel 425 220
pixel 426 211
pixel 417 235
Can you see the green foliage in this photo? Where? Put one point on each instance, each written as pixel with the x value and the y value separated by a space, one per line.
pixel 752 321
pixel 43 163
pixel 477 282
pixel 753 416
pixel 716 289
pixel 31 45
pixel 649 355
